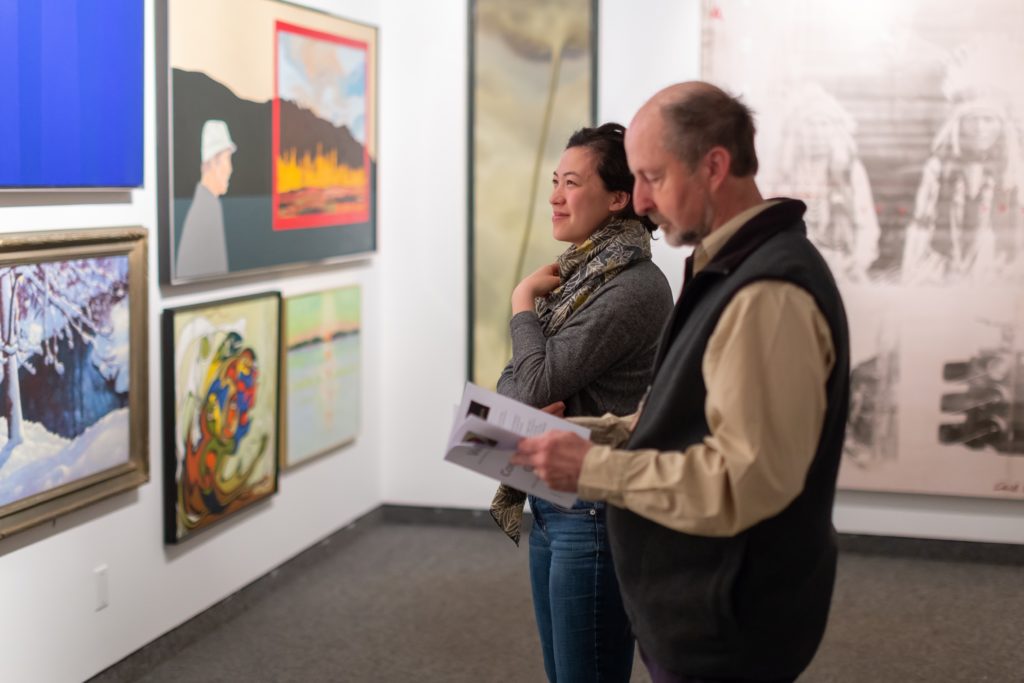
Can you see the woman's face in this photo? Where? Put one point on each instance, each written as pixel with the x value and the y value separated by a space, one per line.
pixel 579 201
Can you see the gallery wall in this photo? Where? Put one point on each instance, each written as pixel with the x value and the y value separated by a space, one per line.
pixel 414 360
pixel 50 627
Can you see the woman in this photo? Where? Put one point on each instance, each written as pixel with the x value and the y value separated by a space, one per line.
pixel 584 332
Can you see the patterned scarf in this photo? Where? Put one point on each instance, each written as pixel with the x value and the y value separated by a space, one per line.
pixel 583 271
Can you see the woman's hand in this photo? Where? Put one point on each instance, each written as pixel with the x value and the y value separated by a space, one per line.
pixel 538 283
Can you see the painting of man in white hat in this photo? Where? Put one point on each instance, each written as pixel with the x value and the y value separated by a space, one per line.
pixel 203 247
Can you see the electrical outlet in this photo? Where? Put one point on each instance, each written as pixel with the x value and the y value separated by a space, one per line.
pixel 102 587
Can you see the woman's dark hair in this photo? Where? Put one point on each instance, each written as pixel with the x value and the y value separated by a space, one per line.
pixel 606 142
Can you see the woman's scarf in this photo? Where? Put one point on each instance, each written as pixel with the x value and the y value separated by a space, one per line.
pixel 583 270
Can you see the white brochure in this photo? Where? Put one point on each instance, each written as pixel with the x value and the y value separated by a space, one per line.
pixel 483 439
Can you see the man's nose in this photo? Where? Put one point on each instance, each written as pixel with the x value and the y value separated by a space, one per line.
pixel 642 202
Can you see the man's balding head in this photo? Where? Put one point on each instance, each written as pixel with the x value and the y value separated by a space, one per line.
pixel 697 116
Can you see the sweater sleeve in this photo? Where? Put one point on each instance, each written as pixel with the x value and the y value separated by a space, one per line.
pixel 597 335
pixel 506 386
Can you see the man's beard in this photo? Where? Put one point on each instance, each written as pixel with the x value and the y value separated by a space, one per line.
pixel 693 235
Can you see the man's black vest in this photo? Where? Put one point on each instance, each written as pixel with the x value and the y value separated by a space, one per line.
pixel 753 605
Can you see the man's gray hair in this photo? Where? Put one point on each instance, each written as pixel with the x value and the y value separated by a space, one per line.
pixel 708 118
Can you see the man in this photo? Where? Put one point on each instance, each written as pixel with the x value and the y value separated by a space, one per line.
pixel 820 163
pixel 203 246
pixel 721 498
pixel 967 211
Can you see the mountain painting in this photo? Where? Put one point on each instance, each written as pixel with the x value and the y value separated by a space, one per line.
pixel 322 372
pixel 271 161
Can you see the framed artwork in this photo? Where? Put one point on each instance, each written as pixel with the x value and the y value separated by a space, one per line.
pixel 73 102
pixel 221 409
pixel 532 84
pixel 322 373
pixel 268 154
pixel 73 362
pixel 900 126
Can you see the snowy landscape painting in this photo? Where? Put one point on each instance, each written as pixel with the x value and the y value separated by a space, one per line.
pixel 72 319
pixel 221 364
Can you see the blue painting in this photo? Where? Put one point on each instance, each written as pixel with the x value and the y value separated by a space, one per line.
pixel 72 82
pixel 64 373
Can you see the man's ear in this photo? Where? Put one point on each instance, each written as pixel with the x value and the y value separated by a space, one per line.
pixel 718 161
pixel 619 201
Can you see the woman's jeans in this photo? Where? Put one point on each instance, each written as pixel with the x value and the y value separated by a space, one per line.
pixel 584 632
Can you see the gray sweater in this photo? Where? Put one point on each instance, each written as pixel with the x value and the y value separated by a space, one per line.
pixel 601 360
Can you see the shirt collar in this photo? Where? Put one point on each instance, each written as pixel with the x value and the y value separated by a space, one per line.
pixel 712 244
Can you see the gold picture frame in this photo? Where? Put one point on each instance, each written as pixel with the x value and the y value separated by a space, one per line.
pixel 73 331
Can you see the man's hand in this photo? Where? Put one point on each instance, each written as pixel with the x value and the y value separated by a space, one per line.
pixel 556 457
pixel 538 283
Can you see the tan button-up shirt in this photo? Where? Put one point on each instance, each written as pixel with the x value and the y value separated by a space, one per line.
pixel 765 369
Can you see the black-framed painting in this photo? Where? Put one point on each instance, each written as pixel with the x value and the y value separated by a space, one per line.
pixel 532 84
pixel 322 373
pixel 74 418
pixel 900 126
pixel 221 409
pixel 268 152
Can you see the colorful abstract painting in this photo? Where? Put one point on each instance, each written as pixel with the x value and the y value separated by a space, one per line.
pixel 72 83
pixel 532 86
pixel 271 155
pixel 222 409
pixel 322 372
pixel 72 321
pixel 901 126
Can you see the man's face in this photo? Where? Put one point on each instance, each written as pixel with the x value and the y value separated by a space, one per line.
pixel 668 192
pixel 220 173
pixel 980 130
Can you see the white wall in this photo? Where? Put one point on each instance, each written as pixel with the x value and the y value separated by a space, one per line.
pixel 423 243
pixel 414 345
pixel 49 629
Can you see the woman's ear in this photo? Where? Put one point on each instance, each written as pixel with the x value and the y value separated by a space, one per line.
pixel 619 201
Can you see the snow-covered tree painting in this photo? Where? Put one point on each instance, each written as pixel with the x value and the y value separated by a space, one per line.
pixel 64 372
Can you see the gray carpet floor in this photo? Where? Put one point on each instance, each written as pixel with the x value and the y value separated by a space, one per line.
pixel 402 602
